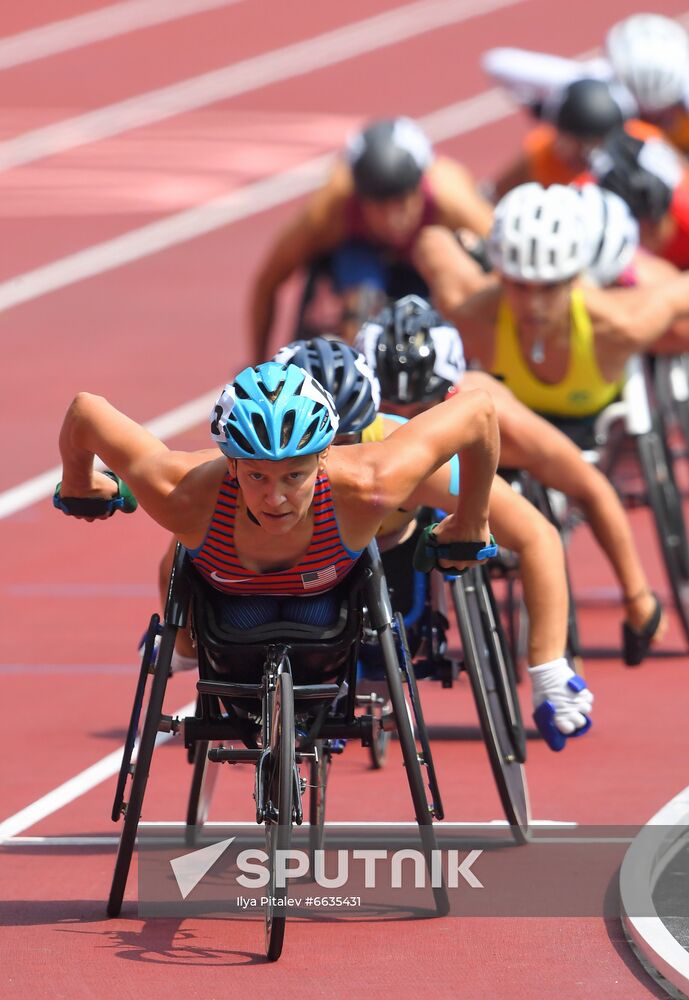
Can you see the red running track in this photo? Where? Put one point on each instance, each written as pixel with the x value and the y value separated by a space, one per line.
pixel 75 597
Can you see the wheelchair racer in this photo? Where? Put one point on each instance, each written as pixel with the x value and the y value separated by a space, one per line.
pixel 277 519
pixel 654 181
pixel 575 121
pixel 516 524
pixel 559 345
pixel 364 220
pixel 527 441
pixel 647 66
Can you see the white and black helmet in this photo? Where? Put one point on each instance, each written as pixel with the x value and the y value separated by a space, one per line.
pixel 539 234
pixel 649 53
pixel 613 233
pixel 416 355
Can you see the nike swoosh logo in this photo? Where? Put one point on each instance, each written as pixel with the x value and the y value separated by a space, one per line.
pixel 221 579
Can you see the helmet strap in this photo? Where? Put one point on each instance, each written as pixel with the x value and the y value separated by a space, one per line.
pixel 252 517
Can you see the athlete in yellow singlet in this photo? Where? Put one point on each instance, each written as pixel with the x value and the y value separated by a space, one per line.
pixel 561 346
pixel 583 391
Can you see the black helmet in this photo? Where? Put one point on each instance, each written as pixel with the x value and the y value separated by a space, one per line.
pixel 644 173
pixel 586 109
pixel 417 356
pixel 388 158
pixel 344 373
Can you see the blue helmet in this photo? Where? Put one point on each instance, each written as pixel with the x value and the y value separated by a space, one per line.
pixel 273 411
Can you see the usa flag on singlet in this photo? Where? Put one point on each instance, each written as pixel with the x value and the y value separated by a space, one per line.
pixel 319 578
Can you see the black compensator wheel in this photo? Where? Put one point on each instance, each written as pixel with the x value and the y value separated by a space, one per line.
pixel 319 770
pixel 492 681
pixel 278 819
pixel 203 780
pixel 378 750
pixel 665 502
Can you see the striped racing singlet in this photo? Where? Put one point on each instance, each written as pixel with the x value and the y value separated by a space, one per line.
pixel 326 561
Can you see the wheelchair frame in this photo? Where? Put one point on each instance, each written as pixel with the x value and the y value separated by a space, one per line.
pixel 488 663
pixel 273 747
pixel 643 419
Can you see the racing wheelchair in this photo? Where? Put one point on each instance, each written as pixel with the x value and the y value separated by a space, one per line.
pixel 422 613
pixel 287 692
pixel 629 442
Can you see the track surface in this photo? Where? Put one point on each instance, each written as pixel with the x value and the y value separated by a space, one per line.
pixel 154 334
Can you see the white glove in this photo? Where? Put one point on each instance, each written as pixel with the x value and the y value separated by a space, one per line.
pixel 550 683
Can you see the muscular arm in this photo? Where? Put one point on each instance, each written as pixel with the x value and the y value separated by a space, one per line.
pixel 450 273
pixel 464 424
pixel 459 202
pixel 92 426
pixel 317 228
pixel 627 320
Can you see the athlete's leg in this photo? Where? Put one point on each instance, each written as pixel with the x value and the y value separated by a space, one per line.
pixel 518 526
pixel 531 443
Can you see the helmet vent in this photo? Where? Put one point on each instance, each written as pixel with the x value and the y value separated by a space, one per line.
pixel 260 429
pixel 310 430
pixel 239 439
pixel 271 395
pixel 239 392
pixel 287 428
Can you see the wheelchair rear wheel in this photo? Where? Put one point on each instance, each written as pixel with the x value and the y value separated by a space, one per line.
pixel 132 810
pixel 278 819
pixel 666 503
pixel 486 658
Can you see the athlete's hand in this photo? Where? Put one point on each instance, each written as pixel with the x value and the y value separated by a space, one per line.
pixel 562 702
pixel 452 529
pixel 100 487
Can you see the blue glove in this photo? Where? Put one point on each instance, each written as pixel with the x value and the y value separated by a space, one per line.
pixel 562 703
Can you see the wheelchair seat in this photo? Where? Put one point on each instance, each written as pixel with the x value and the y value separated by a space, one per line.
pixel 318 655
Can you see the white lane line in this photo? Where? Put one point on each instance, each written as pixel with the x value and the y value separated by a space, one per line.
pixel 169 231
pixel 105 839
pixel 455 119
pixel 452 120
pixel 302 57
pixel 97 26
pixel 74 788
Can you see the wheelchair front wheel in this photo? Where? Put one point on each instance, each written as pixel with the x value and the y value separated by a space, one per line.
pixel 278 819
pixel 492 683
